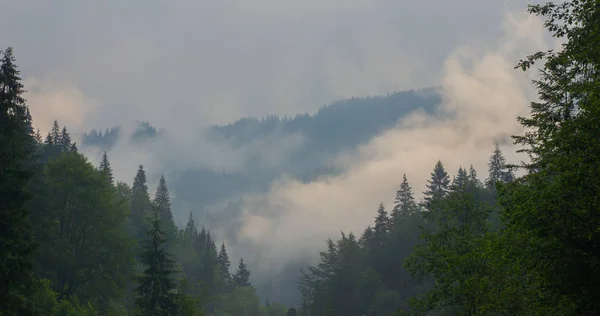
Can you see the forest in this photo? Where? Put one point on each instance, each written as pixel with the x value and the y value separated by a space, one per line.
pixel 523 241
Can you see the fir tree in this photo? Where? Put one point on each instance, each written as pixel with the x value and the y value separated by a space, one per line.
pixel 382 226
pixel 437 187
pixel 242 275
pixel 105 168
pixel 497 169
pixel 140 204
pixel 473 179
pixel 65 140
pixel 56 134
pixel 162 202
pixel 16 170
pixel 156 285
pixel 405 201
pixel 191 231
pixel 224 264
pixel 461 180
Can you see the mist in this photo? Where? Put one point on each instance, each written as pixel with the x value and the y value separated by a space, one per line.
pixel 206 63
pixel 482 97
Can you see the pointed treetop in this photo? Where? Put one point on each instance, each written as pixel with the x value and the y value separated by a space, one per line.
pixel 461 180
pixel 105 167
pixel 242 275
pixel 497 169
pixel 473 176
pixel 56 133
pixel 65 140
pixel 437 186
pixel 191 232
pixel 405 201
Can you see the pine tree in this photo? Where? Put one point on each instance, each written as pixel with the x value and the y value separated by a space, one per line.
pixel 65 140
pixel 382 226
pixel 162 202
pixel 156 285
pixel 497 169
pixel 242 275
pixel 405 201
pixel 140 204
pixel 191 231
pixel 437 187
pixel 473 179
pixel 56 134
pixel 461 180
pixel 106 169
pixel 16 170
pixel 224 264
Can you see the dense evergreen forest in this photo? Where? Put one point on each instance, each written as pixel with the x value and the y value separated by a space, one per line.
pixel 73 241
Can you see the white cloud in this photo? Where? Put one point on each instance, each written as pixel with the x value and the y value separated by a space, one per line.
pixel 483 95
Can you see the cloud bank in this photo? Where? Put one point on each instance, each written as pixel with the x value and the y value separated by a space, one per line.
pixel 483 95
pixel 182 64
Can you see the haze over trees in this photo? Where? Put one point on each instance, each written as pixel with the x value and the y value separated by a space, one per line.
pixel 73 241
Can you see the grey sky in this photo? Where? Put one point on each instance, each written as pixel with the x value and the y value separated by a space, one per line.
pixel 212 61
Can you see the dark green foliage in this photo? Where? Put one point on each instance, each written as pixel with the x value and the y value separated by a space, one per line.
pixel 437 186
pixel 141 206
pixel 80 222
pixel 405 202
pixel 156 289
pixel 162 204
pixel 241 277
pixel 106 169
pixel 497 169
pixel 17 168
pixel 224 264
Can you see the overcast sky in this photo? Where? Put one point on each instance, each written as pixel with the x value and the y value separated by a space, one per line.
pixel 96 63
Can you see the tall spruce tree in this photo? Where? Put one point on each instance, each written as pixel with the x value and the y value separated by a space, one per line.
pixel 382 227
pixel 461 180
pixel 437 186
pixel 241 277
pixel 56 134
pixel 156 290
pixel 65 140
pixel 162 203
pixel 16 170
pixel 497 168
pixel 106 169
pixel 405 202
pixel 140 204
pixel 224 265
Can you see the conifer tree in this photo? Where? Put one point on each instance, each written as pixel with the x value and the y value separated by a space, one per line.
pixel 224 264
pixel 405 201
pixel 437 187
pixel 473 179
pixel 56 134
pixel 105 168
pixel 242 275
pixel 156 287
pixel 140 204
pixel 162 202
pixel 382 226
pixel 497 169
pixel 461 180
pixel 16 170
pixel 191 231
pixel 65 140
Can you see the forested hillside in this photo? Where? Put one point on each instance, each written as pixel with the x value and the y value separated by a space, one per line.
pixel 524 240
pixel 75 242
pixel 335 128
